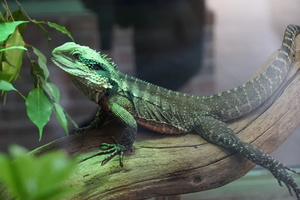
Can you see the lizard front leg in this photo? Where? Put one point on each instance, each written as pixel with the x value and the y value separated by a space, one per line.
pixel 219 133
pixel 100 120
pixel 128 134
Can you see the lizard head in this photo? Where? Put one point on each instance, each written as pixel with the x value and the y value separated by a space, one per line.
pixel 90 71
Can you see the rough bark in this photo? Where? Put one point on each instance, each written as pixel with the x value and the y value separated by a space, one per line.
pixel 166 165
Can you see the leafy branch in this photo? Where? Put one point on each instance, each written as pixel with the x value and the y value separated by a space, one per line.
pixel 44 98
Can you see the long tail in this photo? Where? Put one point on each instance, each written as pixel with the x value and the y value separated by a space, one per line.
pixel 217 132
pixel 241 100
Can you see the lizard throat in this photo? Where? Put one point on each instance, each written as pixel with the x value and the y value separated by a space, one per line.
pixel 94 94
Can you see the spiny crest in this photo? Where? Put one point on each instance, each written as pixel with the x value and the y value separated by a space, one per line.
pixel 109 60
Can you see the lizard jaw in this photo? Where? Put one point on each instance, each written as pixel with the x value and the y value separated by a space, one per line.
pixel 87 80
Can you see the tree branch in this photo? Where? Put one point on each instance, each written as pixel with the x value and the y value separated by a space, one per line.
pixel 167 165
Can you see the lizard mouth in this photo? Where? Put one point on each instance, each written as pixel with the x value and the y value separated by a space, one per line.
pixel 64 62
pixel 79 70
pixel 71 66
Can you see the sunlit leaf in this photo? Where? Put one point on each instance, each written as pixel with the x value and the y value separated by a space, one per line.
pixel 6 86
pixel 7 28
pixel 14 47
pixel 38 108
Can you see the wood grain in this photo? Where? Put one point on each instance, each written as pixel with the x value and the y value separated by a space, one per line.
pixel 161 165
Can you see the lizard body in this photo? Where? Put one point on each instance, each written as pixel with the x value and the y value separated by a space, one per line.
pixel 134 101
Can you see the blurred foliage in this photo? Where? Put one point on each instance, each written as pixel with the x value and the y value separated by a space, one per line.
pixel 26 177
pixel 44 98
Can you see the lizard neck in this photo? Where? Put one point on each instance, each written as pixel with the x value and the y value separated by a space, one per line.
pixel 148 91
pixel 93 93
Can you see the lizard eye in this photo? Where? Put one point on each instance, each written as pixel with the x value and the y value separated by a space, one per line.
pixel 76 55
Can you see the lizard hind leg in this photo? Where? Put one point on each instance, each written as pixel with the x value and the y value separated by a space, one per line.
pixel 217 132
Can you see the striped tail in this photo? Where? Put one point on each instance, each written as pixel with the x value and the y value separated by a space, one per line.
pixel 241 100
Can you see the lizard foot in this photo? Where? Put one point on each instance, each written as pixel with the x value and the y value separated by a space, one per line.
pixel 281 174
pixel 112 150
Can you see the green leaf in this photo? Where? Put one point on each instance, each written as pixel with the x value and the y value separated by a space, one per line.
pixel 60 113
pixel 61 116
pixel 52 25
pixel 71 120
pixel 61 29
pixel 38 108
pixel 41 77
pixel 52 92
pixel 2 19
pixel 41 69
pixel 12 60
pixel 16 151
pixel 7 28
pixel 36 73
pixel 55 92
pixel 8 72
pixel 6 174
pixel 6 86
pixel 29 177
pixel 18 15
pixel 13 47
pixel 45 32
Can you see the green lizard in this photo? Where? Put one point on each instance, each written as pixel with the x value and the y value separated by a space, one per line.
pixel 134 101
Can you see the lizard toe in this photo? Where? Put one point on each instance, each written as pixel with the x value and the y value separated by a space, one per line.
pixel 112 150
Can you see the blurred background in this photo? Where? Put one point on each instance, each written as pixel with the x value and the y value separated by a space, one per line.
pixel 194 46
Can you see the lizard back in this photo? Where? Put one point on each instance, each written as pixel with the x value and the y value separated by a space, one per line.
pixel 160 105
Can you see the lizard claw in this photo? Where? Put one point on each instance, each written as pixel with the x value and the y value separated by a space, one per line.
pixel 112 150
pixel 281 174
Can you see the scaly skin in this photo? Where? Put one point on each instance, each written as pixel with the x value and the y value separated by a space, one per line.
pixel 134 101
